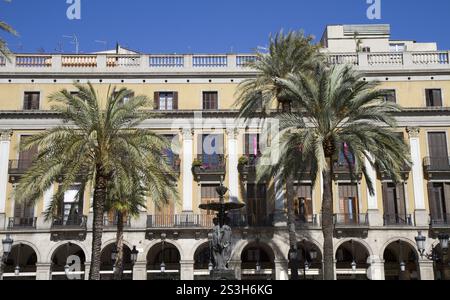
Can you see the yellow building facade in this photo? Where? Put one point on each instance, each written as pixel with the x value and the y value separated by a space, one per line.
pixel 194 98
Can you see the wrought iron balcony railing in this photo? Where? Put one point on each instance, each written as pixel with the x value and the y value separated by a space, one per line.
pixel 19 166
pixel 108 222
pixel 436 164
pixel 69 222
pixel 204 221
pixel 397 219
pixel 351 220
pixel 210 164
pixel 442 220
pixel 22 223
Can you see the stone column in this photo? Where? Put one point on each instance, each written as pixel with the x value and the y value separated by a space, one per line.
pixel 5 143
pixel 281 270
pixel 426 268
pixel 187 270
pixel 375 217
pixel 43 271
pixel 87 269
pixel 140 270
pixel 376 268
pixel 420 214
pixel 232 164
pixel 236 265
pixel 188 178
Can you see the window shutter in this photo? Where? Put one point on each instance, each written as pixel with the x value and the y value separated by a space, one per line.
pixel 447 198
pixel 156 101
pixel 428 97
pixel 247 145
pixel 437 97
pixel 35 101
pixel 401 199
pixel 433 202
pixel 175 100
pixel 385 198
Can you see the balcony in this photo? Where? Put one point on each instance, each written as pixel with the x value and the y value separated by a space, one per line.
pixel 204 221
pixel 18 223
pixel 397 220
pixel 309 221
pixel 17 168
pixel 190 63
pixel 71 227
pixel 344 171
pixel 209 167
pixel 247 165
pixel 351 224
pixel 404 173
pixel 440 222
pixel 437 167
pixel 112 223
pixel 174 162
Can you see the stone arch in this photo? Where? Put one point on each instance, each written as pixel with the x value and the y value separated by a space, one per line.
pixel 360 241
pixel 111 241
pixel 410 242
pixel 158 241
pixel 241 245
pixel 32 246
pixel 61 243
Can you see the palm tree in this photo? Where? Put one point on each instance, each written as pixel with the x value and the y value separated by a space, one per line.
pixel 98 143
pixel 290 53
pixel 3 45
pixel 127 197
pixel 332 107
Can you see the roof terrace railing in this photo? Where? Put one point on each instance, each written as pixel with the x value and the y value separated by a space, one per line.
pixel 147 63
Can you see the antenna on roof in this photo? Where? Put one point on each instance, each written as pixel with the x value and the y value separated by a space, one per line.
pixel 74 41
pixel 105 43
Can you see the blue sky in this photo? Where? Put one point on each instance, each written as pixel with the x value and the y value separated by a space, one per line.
pixel 207 26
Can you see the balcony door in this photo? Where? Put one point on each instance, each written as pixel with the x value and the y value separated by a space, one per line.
pixel 303 207
pixel 394 203
pixel 26 156
pixel 439 198
pixel 437 146
pixel 23 213
pixel 72 205
pixel 348 202
pixel 210 148
pixel 256 204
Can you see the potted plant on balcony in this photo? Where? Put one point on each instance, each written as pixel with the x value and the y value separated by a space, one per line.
pixel 242 163
pixel 196 166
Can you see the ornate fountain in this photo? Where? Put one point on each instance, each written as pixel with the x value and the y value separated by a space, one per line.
pixel 221 243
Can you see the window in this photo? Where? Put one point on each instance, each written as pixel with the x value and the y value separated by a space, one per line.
pixel 166 100
pixel 439 198
pixel 209 195
pixel 303 203
pixel 252 146
pixel 124 99
pixel 366 49
pixel 31 100
pixel 389 96
pixel 346 157
pixel 256 204
pixel 210 100
pixel 397 47
pixel 433 97
pixel 348 200
pixel 394 203
pixel 72 206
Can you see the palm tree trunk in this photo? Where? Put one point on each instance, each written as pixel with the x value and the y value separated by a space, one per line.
pixel 119 244
pixel 327 222
pixel 97 228
pixel 293 251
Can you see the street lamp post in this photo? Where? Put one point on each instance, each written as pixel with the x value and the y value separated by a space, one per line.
pixel 433 255
pixel 7 246
pixel 134 256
